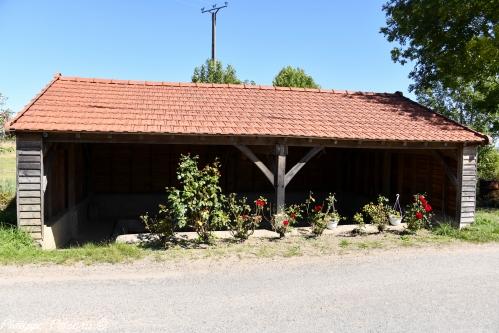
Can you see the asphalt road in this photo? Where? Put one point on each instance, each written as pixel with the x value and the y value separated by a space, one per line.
pixel 416 290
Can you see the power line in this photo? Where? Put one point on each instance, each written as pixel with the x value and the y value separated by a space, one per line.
pixel 213 11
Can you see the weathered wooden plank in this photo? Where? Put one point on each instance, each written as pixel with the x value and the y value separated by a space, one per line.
pixel 469 172
pixel 29 187
pixel 472 178
pixel 28 145
pixel 29 173
pixel 29 194
pixel 29 215
pixel 29 201
pixel 468 183
pixel 30 208
pixel 32 228
pixel 470 203
pixel 29 180
pixel 30 222
pixel 29 152
pixel 467 209
pixel 28 158
pixel 467 214
pixel 30 166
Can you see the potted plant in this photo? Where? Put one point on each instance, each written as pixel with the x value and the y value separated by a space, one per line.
pixel 394 217
pixel 322 216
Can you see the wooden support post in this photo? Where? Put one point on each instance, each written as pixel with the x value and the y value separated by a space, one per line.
pixel 280 174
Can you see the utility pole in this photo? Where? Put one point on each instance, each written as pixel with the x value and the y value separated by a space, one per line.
pixel 213 10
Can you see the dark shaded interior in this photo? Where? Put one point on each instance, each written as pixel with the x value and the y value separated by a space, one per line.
pixel 112 183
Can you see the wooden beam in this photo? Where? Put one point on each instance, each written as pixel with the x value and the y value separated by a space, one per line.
pixel 280 187
pixel 297 167
pixel 239 140
pixel 447 170
pixel 246 151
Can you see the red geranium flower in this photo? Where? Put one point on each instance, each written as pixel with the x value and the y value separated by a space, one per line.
pixel 285 223
pixel 318 208
pixel 260 202
pixel 428 208
pixel 419 215
pixel 423 200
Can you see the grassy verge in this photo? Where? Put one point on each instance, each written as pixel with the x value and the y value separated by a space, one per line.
pixel 485 228
pixel 7 181
pixel 17 248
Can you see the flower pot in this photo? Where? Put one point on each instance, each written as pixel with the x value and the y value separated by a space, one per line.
pixel 332 224
pixel 395 220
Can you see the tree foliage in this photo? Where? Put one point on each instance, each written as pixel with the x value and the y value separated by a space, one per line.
pixel 294 77
pixel 455 50
pixel 214 72
pixel 5 114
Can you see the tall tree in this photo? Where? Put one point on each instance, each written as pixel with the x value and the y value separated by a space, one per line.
pixel 455 50
pixel 213 71
pixel 294 77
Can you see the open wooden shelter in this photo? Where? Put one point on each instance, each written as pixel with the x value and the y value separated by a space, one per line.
pixel 93 152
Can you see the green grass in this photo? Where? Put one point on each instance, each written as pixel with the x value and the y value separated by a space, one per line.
pixel 485 229
pixel 7 182
pixel 16 247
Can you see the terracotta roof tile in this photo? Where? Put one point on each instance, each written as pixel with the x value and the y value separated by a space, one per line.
pixel 73 104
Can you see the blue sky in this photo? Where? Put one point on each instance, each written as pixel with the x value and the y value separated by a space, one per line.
pixel 337 42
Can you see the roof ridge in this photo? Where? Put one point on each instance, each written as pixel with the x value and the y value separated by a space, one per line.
pixel 221 85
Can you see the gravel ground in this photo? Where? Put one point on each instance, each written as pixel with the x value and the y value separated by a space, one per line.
pixel 405 290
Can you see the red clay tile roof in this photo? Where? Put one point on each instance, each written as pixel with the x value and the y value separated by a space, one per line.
pixel 71 104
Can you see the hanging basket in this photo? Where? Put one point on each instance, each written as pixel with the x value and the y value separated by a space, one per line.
pixel 396 219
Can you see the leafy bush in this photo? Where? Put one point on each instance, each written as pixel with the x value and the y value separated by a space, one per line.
pixel 161 224
pixel 198 203
pixel 378 213
pixel 488 163
pixel 418 214
pixel 242 220
pixel 361 225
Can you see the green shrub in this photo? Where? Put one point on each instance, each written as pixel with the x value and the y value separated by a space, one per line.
pixel 488 163
pixel 378 213
pixel 242 219
pixel 418 214
pixel 198 203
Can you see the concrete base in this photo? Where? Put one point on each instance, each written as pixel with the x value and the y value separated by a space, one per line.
pixel 63 228
pixel 260 233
